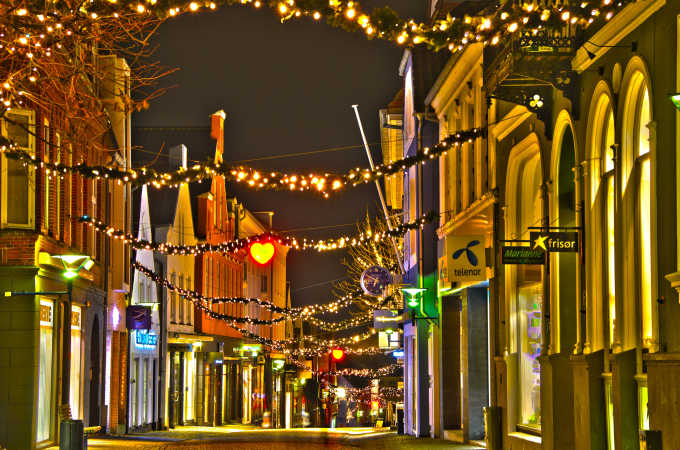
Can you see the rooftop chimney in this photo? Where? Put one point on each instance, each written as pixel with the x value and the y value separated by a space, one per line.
pixel 178 157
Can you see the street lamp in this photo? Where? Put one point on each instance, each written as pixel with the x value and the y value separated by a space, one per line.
pixel 413 293
pixel 414 302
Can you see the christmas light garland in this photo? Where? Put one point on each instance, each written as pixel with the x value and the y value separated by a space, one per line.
pixel 488 26
pixel 354 322
pixel 310 352
pixel 248 176
pixel 289 313
pixel 384 392
pixel 35 30
pixel 303 244
pixel 340 342
pixel 364 373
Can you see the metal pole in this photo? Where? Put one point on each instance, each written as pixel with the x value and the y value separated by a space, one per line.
pixel 377 185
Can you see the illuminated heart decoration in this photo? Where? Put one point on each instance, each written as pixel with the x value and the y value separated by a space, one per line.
pixel 338 354
pixel 262 253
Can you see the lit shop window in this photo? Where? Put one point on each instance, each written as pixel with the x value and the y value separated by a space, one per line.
pixel 644 217
pixel 44 409
pixel 610 211
pixel 610 411
pixel 18 181
pixel 530 299
pixel 76 359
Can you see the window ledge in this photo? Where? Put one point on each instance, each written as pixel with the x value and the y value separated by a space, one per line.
pixel 525 437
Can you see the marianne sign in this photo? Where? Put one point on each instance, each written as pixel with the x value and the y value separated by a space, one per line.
pixel 522 255
pixel 555 241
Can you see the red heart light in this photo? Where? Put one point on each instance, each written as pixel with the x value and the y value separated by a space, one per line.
pixel 338 354
pixel 262 253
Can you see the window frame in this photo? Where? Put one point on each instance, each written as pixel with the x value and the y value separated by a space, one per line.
pixel 4 223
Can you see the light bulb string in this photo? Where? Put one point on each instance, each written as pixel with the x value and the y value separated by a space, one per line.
pixel 288 313
pixel 322 184
pixel 234 246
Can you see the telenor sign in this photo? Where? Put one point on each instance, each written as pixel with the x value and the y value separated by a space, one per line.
pixel 466 258
pixel 555 241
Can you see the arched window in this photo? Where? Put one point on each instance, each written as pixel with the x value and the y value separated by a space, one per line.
pixel 643 166
pixel 638 211
pixel 600 235
pixel 524 283
pixel 609 216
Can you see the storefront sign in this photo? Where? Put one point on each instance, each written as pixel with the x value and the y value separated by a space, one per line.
pixel 443 270
pixel 138 317
pixel 522 255
pixel 144 339
pixel 555 241
pixel 385 318
pixel 466 258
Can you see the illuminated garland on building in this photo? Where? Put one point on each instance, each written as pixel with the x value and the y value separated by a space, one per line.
pixel 364 373
pixel 32 30
pixel 289 313
pixel 340 342
pixel 320 245
pixel 310 352
pixel 488 27
pixel 384 393
pixel 358 321
pixel 246 175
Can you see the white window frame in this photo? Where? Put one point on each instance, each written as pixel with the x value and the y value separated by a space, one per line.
pixel 30 174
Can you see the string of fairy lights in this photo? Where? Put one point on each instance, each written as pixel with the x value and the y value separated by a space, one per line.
pixel 359 320
pixel 41 27
pixel 234 246
pixel 35 30
pixel 311 352
pixel 386 392
pixel 372 372
pixel 289 313
pixel 247 176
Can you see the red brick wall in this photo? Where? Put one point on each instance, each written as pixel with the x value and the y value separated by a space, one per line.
pixel 118 400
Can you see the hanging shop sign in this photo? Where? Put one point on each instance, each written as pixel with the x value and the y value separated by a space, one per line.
pixel 466 258
pixel 138 317
pixel 385 318
pixel 555 241
pixel 144 339
pixel 522 255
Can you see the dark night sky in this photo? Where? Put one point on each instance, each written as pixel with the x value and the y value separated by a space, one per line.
pixel 285 88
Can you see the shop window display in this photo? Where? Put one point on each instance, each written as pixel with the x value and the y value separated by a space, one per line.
pixel 44 408
pixel 530 299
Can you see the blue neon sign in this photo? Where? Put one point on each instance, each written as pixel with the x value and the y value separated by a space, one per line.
pixel 146 339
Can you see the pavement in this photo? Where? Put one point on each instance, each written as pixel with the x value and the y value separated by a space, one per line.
pixel 252 438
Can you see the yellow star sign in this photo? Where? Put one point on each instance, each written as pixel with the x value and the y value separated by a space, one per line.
pixel 540 242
